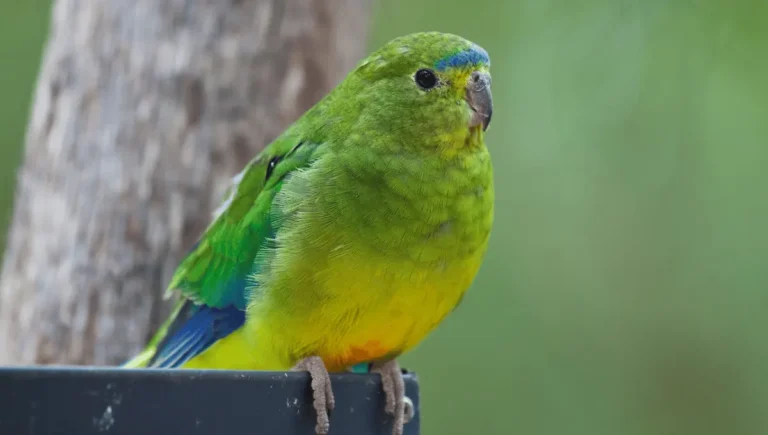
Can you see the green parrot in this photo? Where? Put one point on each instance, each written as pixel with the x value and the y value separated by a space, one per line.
pixel 351 236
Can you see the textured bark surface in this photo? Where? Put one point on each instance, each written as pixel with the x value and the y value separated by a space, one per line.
pixel 144 110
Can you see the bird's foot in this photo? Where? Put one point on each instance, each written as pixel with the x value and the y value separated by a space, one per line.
pixel 397 405
pixel 321 391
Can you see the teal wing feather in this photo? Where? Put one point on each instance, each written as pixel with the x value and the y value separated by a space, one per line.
pixel 213 279
pixel 216 271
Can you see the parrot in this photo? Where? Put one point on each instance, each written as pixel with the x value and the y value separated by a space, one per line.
pixel 352 235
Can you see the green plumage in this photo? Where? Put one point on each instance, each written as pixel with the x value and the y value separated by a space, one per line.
pixel 355 232
pixel 226 252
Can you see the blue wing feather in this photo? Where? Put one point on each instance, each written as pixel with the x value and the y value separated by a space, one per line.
pixel 197 327
pixel 216 276
pixel 200 327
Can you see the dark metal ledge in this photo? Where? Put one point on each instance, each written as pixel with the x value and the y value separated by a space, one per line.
pixel 90 401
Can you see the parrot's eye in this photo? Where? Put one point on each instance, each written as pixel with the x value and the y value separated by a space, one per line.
pixel 425 78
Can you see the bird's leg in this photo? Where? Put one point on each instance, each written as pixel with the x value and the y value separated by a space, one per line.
pixel 397 405
pixel 321 391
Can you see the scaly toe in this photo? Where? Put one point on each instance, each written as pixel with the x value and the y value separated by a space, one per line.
pixel 394 390
pixel 322 394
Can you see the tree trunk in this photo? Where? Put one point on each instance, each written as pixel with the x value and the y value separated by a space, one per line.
pixel 144 110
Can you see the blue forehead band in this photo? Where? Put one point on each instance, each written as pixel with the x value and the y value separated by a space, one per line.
pixel 471 56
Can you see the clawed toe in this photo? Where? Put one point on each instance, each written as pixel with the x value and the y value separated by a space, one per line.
pixel 397 405
pixel 322 393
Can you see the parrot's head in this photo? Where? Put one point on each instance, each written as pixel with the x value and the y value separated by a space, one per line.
pixel 434 86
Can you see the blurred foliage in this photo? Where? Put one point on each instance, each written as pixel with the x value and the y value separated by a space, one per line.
pixel 625 288
pixel 23 28
pixel 626 284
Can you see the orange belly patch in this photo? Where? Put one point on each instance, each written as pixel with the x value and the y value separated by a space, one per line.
pixel 371 351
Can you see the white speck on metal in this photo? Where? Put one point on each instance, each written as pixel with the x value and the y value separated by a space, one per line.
pixel 105 422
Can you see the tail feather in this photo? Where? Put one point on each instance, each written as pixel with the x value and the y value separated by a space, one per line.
pixel 141 360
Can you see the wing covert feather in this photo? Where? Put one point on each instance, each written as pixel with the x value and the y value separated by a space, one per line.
pixel 216 270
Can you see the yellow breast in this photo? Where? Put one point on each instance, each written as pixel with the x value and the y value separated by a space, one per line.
pixel 380 309
pixel 372 310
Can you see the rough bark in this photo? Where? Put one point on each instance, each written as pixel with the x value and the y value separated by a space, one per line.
pixel 144 109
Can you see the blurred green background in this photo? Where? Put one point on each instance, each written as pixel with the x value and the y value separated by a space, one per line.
pixel 626 287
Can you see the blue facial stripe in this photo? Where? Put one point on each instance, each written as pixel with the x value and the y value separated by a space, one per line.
pixel 471 56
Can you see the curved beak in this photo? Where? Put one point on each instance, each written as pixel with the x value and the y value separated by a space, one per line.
pixel 479 99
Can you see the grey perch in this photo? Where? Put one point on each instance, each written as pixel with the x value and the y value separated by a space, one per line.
pixel 90 401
